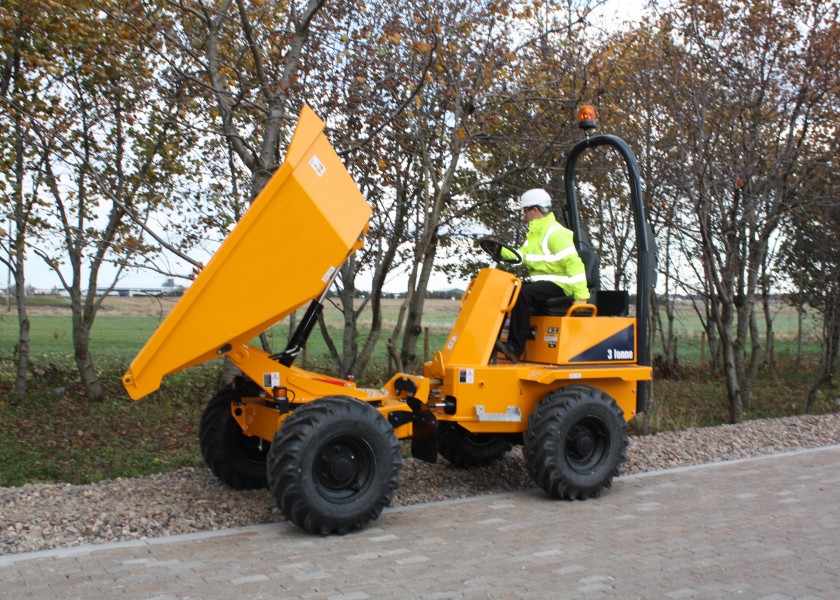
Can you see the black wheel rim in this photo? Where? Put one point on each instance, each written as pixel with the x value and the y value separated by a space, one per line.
pixel 587 443
pixel 344 468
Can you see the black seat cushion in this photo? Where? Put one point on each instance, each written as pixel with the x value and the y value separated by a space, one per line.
pixel 610 303
pixel 555 307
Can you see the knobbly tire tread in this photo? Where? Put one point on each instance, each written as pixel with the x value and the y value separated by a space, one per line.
pixel 468 451
pixel 304 437
pixel 546 448
pixel 217 435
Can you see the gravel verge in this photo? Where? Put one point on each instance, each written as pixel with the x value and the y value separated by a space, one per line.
pixel 44 516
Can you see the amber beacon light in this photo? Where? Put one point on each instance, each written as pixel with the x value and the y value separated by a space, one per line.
pixel 586 117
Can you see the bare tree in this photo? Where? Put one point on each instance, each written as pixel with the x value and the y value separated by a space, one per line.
pixel 745 101
pixel 74 86
pixel 107 154
pixel 19 171
pixel 812 254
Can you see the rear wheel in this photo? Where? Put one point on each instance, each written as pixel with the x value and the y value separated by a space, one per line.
pixel 575 442
pixel 237 459
pixel 467 450
pixel 334 465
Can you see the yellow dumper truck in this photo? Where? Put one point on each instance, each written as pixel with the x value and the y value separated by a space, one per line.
pixel 328 450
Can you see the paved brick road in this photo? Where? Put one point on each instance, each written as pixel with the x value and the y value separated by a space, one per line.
pixel 760 528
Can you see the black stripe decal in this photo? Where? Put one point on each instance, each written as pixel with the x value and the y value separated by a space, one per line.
pixel 616 347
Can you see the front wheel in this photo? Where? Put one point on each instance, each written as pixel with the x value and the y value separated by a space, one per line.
pixel 334 465
pixel 235 458
pixel 575 442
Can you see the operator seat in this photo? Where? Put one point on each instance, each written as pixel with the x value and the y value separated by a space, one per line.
pixel 559 305
pixel 610 303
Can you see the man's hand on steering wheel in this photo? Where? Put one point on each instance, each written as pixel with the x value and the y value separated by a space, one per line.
pixel 494 248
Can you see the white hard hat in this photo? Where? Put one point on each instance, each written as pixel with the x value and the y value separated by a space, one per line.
pixel 536 197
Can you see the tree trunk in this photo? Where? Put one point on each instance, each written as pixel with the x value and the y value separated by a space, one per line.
pixel 393 353
pixel 23 336
pixel 414 322
pixel 742 310
pixel 349 342
pixel 800 310
pixel 21 219
pixel 82 324
pixel 715 358
pixel 769 349
pixel 733 390
pixel 751 372
pixel 732 357
pixel 710 328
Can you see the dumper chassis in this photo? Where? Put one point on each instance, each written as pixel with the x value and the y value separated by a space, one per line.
pixel 329 451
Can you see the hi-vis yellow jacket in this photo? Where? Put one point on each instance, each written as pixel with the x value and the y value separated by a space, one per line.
pixel 549 254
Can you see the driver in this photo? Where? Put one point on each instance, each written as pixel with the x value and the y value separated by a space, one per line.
pixel 553 265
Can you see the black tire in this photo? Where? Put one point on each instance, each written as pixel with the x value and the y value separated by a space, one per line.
pixel 467 450
pixel 334 465
pixel 575 442
pixel 236 459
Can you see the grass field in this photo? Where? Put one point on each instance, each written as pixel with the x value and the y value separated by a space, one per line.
pixel 124 324
pixel 56 435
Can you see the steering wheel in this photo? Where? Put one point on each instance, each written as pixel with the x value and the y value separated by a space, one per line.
pixel 494 248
